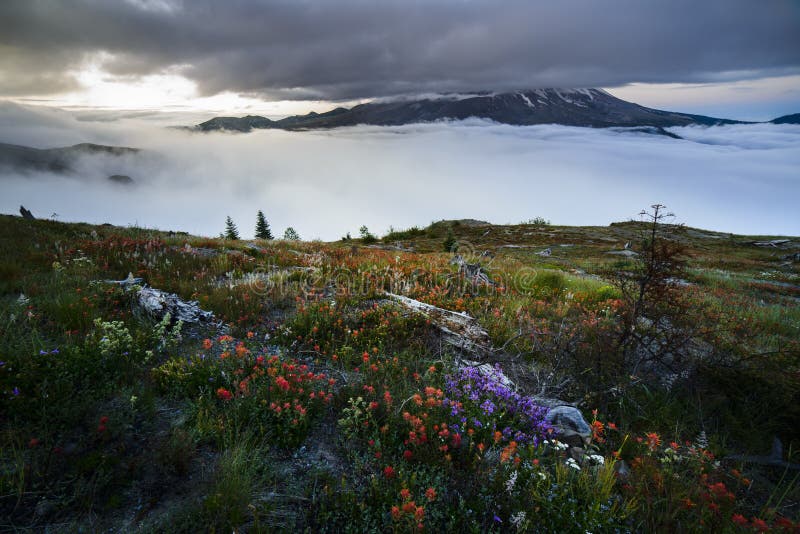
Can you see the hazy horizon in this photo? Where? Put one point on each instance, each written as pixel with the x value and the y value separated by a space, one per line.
pixel 329 182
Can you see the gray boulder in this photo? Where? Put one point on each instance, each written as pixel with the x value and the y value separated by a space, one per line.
pixel 571 426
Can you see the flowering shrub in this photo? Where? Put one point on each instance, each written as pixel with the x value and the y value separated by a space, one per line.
pixel 481 404
pixel 342 333
pixel 279 396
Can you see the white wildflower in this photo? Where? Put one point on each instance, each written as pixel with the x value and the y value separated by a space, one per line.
pixel 573 464
pixel 596 459
pixel 517 518
pixel 512 480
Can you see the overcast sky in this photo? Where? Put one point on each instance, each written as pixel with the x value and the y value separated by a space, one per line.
pixel 739 58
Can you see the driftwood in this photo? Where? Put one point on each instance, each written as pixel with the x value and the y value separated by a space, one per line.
pixel 459 329
pixel 158 304
pixel 773 243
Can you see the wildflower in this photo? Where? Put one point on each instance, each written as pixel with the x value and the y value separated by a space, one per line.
pixel 15 391
pixel 760 525
pixel 395 513
pixel 388 471
pixel 33 443
pixel 405 494
pixel 740 520
pixel 430 494
pixel 511 482
pixel 653 440
pixel 573 464
pixel 407 455
pixel 517 519
pixel 597 431
pixel 597 459
pixel 419 513
pixel 207 343
pixel 224 394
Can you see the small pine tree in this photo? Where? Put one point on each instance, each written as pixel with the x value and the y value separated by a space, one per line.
pixel 366 235
pixel 450 244
pixel 231 232
pixel 262 227
pixel 291 234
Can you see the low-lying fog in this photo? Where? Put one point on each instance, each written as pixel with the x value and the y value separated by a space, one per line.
pixel 741 179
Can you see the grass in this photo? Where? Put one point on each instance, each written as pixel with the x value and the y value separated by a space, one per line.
pixel 307 408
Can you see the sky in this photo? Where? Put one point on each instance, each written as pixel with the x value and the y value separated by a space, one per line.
pixel 119 72
pixel 730 58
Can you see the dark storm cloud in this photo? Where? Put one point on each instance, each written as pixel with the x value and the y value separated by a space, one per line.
pixel 357 48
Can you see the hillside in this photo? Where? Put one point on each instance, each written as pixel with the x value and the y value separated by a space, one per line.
pixel 57 160
pixel 571 107
pixel 787 119
pixel 629 378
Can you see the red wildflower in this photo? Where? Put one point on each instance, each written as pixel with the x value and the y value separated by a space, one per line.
pixel 224 394
pixel 388 471
pixel 33 443
pixel 740 520
pixel 653 440
pixel 407 455
pixel 395 513
pixel 430 494
pixel 405 494
pixel 207 344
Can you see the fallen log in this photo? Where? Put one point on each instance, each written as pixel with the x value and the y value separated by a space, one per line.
pixel 773 243
pixel 157 303
pixel 459 329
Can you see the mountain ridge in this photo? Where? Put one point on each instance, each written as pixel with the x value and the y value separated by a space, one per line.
pixel 59 160
pixel 570 107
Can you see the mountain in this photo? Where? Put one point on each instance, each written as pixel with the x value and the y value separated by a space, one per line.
pixel 787 119
pixel 572 107
pixel 59 160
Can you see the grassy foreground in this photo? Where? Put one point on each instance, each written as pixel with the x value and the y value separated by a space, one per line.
pixel 318 404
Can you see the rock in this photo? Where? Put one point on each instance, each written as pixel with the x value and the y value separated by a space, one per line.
pixel 627 253
pixel 26 214
pixel 572 427
pixel 546 252
pixel 121 179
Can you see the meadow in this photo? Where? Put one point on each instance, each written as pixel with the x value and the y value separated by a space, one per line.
pixel 315 402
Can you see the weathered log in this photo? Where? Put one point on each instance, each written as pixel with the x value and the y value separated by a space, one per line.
pixel 773 243
pixel 158 303
pixel 459 329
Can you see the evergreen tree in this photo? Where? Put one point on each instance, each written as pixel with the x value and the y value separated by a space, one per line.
pixel 262 227
pixel 231 232
pixel 450 244
pixel 291 234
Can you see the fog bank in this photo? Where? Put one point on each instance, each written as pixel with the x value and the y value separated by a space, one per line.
pixel 741 179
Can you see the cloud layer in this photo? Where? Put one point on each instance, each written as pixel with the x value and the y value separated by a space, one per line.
pixel 349 49
pixel 741 179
